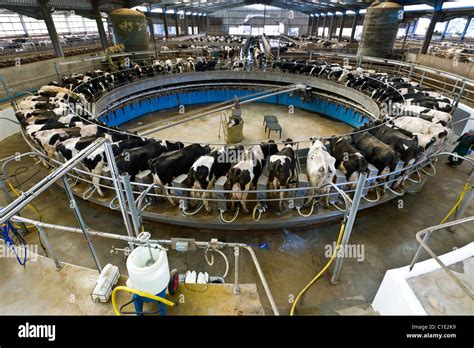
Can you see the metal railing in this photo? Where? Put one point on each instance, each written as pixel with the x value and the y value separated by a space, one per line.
pixel 422 238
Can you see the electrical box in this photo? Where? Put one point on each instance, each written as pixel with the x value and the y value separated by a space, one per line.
pixel 183 244
pixel 395 174
pixel 221 205
pixel 370 178
pixel 262 185
pixel 177 184
pixel 144 177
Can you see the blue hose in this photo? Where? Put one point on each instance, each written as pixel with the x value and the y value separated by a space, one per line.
pixel 13 239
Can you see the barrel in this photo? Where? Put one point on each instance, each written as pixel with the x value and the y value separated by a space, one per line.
pixel 380 29
pixel 152 277
pixel 130 29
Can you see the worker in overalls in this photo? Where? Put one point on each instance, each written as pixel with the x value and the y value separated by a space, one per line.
pixel 464 148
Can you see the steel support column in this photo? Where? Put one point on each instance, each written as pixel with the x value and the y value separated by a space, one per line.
pixel 80 220
pixel 316 27
pixel 186 24
pixel 49 248
pixel 331 26
pixel 341 27
pixel 443 35
pixel 165 23
pixel 176 22
pixel 349 225
pixel 463 35
pixel 429 32
pixel 151 26
pixel 53 34
pixel 193 24
pixel 100 25
pixel 310 25
pixel 354 26
pixel 324 26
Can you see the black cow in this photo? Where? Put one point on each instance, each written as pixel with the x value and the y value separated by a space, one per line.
pixel 406 146
pixel 378 153
pixel 348 159
pixel 171 164
pixel 136 160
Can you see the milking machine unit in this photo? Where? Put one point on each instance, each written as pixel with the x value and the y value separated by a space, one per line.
pixel 150 279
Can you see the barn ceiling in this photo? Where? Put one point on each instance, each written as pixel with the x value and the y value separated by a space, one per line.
pixel 84 7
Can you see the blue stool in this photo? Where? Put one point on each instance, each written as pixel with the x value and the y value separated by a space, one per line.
pixel 138 302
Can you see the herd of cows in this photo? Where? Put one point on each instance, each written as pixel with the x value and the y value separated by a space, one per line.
pixel 54 117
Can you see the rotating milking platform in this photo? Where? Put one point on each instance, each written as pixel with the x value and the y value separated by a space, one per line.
pixel 331 99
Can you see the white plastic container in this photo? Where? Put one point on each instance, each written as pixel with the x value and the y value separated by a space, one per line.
pixel 152 279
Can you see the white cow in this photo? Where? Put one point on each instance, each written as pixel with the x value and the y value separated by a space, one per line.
pixel 320 168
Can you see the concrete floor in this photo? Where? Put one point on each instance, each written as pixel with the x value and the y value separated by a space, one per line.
pixel 73 286
pixel 293 256
pixel 300 125
pixel 440 295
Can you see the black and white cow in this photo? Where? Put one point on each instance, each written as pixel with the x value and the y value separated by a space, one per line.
pixel 208 168
pixel 424 130
pixel 172 164
pixel 246 173
pixel 48 139
pixel 348 159
pixel 136 160
pixel 282 168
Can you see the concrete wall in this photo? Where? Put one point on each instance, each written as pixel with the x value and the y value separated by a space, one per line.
pixel 29 77
pixel 462 69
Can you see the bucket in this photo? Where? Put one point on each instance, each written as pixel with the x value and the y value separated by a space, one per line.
pixel 149 274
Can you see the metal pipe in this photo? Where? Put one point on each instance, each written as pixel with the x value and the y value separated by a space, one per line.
pixel 131 204
pixel 48 247
pixel 349 225
pixel 27 197
pixel 118 188
pixel 418 251
pixel 436 258
pixel 263 280
pixel 81 222
pixel 237 270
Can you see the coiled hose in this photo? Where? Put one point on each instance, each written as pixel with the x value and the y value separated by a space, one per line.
pixel 233 218
pixel 211 261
